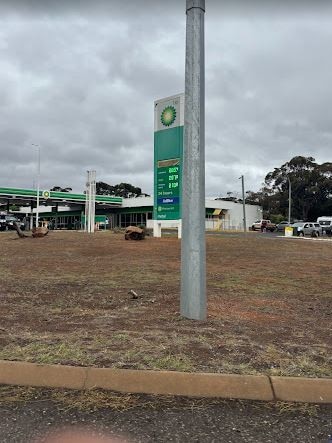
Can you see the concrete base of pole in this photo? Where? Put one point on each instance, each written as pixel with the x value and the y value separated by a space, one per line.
pixel 157 226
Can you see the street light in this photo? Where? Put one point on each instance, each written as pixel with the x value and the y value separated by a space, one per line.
pixel 289 200
pixel 244 206
pixel 38 180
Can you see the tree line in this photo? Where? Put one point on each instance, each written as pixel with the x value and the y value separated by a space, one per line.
pixel 125 190
pixel 311 190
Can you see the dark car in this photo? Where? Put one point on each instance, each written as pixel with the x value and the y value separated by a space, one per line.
pixel 281 226
pixel 7 222
pixel 3 223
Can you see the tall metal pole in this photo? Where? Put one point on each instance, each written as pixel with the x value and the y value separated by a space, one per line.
pixel 93 201
pixel 193 255
pixel 244 206
pixel 90 202
pixel 38 189
pixel 289 200
pixel 87 196
pixel 38 185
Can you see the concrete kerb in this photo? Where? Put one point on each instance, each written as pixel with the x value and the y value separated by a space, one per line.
pixel 181 383
pixel 249 387
pixel 34 374
pixel 304 390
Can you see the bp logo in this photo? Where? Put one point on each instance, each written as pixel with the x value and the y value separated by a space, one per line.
pixel 46 194
pixel 168 116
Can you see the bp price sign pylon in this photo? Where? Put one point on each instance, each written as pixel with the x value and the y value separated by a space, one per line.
pixel 168 151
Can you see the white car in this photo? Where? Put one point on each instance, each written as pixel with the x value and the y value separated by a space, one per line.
pixel 308 228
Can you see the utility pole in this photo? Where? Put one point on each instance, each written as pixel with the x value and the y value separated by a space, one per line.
pixel 244 207
pixel 193 254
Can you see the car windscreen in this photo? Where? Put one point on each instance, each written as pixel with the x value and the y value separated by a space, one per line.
pixel 325 222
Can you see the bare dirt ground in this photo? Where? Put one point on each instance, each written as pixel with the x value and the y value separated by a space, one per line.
pixel 64 299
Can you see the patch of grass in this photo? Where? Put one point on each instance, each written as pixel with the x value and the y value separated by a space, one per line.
pixel 303 408
pixel 228 367
pixel 45 353
pixel 94 399
pixel 90 400
pixel 308 363
pixel 16 394
pixel 121 336
pixel 169 363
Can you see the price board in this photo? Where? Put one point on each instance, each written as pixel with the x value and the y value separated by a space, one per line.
pixel 168 189
pixel 168 147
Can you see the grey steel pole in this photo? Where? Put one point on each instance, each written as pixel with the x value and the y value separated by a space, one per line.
pixel 193 255
pixel 38 189
pixel 244 207
pixel 38 185
pixel 289 200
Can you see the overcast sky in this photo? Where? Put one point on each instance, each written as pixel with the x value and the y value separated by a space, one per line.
pixel 79 79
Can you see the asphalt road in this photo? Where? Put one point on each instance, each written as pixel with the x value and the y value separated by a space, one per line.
pixel 172 421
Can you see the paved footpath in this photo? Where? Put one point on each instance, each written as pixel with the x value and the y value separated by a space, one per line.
pixel 173 421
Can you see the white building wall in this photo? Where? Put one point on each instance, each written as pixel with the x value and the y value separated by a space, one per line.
pixel 27 209
pixel 234 213
pixel 233 218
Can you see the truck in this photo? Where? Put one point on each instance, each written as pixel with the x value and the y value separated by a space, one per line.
pixel 269 226
pixel 325 222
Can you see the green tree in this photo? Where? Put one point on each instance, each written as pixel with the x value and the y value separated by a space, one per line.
pixel 125 190
pixel 60 189
pixel 311 189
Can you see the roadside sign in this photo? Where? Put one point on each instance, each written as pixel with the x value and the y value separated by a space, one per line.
pixel 46 194
pixel 288 231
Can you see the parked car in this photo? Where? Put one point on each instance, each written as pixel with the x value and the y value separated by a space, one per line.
pixel 7 222
pixel 326 224
pixel 280 227
pixel 257 226
pixel 3 223
pixel 308 228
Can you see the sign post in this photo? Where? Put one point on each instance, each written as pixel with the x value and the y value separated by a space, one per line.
pixel 168 150
pixel 90 202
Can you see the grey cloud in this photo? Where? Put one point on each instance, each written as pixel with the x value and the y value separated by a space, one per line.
pixel 81 81
pixel 143 7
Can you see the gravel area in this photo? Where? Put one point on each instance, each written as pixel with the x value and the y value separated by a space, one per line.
pixel 177 420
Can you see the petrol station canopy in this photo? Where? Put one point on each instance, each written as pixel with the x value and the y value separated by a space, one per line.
pixel 28 197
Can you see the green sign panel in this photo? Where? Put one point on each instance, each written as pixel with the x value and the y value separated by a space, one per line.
pixel 98 219
pixel 168 189
pixel 168 147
